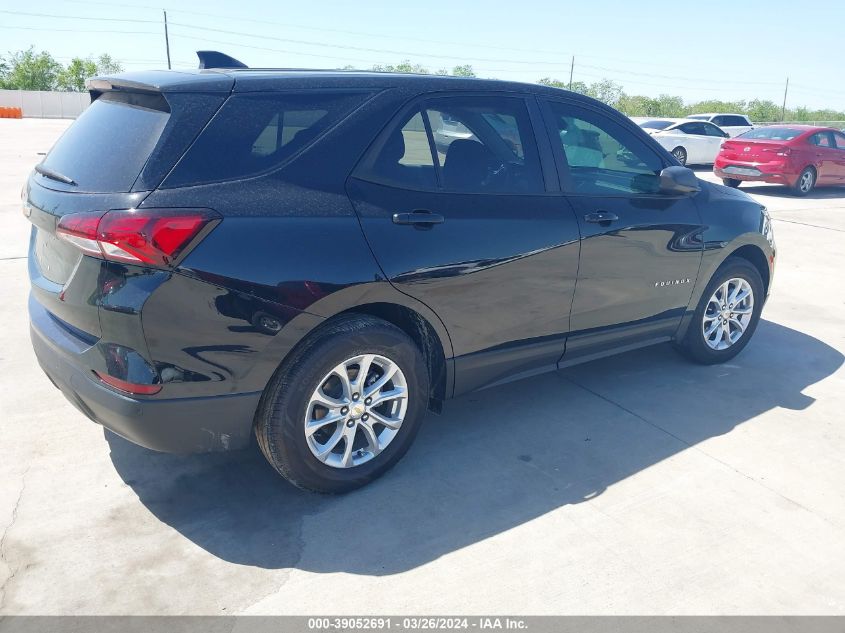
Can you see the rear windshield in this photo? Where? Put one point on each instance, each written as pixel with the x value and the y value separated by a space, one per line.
pixel 773 133
pixel 107 146
pixel 699 117
pixel 253 133
pixel 657 124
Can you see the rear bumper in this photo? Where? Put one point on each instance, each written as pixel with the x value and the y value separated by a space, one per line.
pixel 179 425
pixel 765 172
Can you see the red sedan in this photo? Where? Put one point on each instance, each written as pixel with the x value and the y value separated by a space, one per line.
pixel 798 156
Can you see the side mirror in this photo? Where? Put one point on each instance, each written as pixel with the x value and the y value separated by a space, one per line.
pixel 678 180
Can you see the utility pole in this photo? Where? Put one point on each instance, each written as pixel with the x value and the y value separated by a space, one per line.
pixel 571 70
pixel 166 39
pixel 783 110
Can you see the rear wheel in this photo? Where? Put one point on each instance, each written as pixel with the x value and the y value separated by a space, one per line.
pixel 731 182
pixel 805 183
pixel 680 154
pixel 346 407
pixel 727 313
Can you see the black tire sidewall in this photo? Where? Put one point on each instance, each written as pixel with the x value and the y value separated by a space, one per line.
pixel 684 151
pixel 694 343
pixel 282 419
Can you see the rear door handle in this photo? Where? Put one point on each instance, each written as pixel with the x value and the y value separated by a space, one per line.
pixel 601 217
pixel 418 218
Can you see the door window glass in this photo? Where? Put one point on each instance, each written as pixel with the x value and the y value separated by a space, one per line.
pixel 698 129
pixel 712 130
pixel 403 158
pixel 601 156
pixel 840 140
pixel 485 145
pixel 822 139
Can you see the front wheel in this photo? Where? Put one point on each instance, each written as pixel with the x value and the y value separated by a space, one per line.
pixel 732 182
pixel 680 155
pixel 727 314
pixel 346 407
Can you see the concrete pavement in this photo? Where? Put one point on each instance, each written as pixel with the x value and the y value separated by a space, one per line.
pixel 635 484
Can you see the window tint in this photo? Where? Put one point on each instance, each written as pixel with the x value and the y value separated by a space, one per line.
pixel 735 121
pixel 126 126
pixel 602 156
pixel 840 140
pixel 694 128
pixel 822 139
pixel 721 120
pixel 478 145
pixel 657 124
pixel 773 132
pixel 403 158
pixel 484 144
pixel 255 132
pixel 712 130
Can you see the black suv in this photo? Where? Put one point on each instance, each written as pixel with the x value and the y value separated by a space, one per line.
pixel 290 253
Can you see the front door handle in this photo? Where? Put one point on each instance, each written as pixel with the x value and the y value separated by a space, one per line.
pixel 419 218
pixel 601 217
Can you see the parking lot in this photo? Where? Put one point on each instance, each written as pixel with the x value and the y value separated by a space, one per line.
pixel 635 484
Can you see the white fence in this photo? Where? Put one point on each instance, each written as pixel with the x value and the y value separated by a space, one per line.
pixel 46 105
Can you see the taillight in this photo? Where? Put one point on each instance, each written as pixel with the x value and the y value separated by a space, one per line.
pixel 128 387
pixel 138 236
pixel 785 151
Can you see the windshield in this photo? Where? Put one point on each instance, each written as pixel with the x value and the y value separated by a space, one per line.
pixel 774 133
pixel 699 117
pixel 657 124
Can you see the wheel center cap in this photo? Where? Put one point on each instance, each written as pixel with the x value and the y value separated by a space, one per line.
pixel 357 410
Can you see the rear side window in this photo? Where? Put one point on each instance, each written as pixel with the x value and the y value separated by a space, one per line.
pixel 735 120
pixel 108 145
pixel 253 133
pixel 460 144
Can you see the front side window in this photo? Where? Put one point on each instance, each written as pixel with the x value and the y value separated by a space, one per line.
pixel 698 129
pixel 460 144
pixel 255 132
pixel 840 140
pixel 712 130
pixel 601 156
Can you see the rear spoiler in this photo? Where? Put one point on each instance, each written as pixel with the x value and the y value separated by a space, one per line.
pixel 216 59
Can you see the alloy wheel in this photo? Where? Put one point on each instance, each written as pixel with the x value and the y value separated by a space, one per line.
pixel 356 411
pixel 806 181
pixel 728 313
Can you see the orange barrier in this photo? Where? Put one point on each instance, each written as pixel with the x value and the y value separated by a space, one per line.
pixel 10 113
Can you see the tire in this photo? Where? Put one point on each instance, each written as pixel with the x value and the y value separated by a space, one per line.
pixel 285 406
pixel 695 344
pixel 680 155
pixel 806 182
pixel 732 182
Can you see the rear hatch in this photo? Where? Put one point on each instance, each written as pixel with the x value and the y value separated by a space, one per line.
pixel 111 157
pixel 752 151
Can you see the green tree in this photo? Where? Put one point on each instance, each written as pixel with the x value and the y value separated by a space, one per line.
pixel 763 111
pixel 79 70
pixel 464 70
pixel 73 76
pixel 403 67
pixel 28 70
pixel 606 91
pixel 108 66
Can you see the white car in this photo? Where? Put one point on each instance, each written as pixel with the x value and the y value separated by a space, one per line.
pixel 693 142
pixel 733 124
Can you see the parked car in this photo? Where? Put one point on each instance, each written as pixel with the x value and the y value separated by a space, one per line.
pixel 225 253
pixel 733 124
pixel 693 142
pixel 798 156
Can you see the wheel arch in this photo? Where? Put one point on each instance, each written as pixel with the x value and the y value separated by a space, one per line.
pixel 757 258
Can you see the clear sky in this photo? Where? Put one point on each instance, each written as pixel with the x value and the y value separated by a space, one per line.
pixel 728 49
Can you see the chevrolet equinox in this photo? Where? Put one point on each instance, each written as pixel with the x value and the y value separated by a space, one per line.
pixel 317 258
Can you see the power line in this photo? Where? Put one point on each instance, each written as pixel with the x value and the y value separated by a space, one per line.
pixel 50 30
pixel 78 17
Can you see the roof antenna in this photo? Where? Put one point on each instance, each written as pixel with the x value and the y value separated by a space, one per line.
pixel 216 59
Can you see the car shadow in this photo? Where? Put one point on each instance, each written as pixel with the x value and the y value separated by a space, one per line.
pixel 493 461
